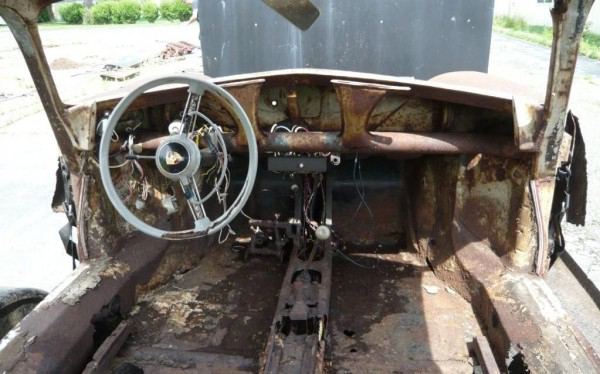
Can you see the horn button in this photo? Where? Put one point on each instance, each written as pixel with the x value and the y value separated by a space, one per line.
pixel 178 157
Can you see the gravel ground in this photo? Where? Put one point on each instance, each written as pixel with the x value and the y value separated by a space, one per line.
pixel 77 56
pixel 31 244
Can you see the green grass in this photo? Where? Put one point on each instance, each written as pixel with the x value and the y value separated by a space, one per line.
pixel 519 28
pixel 62 25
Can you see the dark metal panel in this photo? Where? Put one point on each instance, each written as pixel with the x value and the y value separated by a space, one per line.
pixel 393 37
pixel 298 164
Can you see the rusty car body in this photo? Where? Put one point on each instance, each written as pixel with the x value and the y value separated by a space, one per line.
pixel 381 224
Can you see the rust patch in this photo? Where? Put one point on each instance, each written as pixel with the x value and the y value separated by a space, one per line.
pixel 179 259
pixel 247 94
pixel 401 113
pixel 384 319
pixel 221 305
pixel 115 270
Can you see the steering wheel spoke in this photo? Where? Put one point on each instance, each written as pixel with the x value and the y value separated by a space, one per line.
pixel 192 195
pixel 192 105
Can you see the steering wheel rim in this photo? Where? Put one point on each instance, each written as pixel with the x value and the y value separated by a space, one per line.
pixel 197 85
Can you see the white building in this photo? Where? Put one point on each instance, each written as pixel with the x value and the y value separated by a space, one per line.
pixel 537 12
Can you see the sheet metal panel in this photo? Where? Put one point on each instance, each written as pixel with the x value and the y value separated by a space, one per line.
pixel 392 37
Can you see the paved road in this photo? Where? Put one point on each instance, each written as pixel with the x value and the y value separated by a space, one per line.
pixel 32 253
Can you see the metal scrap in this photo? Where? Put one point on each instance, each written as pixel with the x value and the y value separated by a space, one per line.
pixel 120 74
pixel 177 49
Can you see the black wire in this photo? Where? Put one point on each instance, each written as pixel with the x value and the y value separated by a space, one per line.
pixel 120 151
pixel 361 194
pixel 354 262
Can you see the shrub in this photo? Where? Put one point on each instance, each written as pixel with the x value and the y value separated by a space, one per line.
pixel 183 10
pixel 71 13
pixel 149 11
pixel 126 11
pixel 175 10
pixel 102 12
pixel 166 10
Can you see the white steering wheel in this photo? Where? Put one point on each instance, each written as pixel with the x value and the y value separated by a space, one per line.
pixel 178 158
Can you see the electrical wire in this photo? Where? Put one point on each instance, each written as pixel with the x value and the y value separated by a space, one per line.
pixel 222 196
pixel 145 189
pixel 221 166
pixel 276 127
pixel 308 202
pixel 229 231
pixel 361 194
pixel 245 215
pixel 361 191
pixel 338 252
pixel 239 246
pixel 119 166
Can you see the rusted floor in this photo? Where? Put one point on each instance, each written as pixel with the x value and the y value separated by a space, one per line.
pixel 383 320
pixel 216 318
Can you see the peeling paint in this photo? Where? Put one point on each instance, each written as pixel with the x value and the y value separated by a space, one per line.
pixel 13 348
pixel 88 280
pixel 63 286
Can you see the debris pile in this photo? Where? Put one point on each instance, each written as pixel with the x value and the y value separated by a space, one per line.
pixel 122 69
pixel 63 63
pixel 177 49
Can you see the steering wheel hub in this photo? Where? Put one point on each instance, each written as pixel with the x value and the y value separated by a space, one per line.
pixel 178 157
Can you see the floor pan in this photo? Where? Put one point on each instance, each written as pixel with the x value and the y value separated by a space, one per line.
pixel 216 317
pixel 391 317
pixel 385 316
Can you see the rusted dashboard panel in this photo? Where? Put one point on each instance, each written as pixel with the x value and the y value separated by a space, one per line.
pixel 348 113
